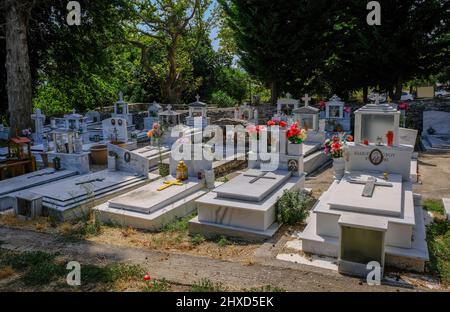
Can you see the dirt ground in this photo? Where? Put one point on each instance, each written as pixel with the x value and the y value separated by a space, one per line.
pixel 434 176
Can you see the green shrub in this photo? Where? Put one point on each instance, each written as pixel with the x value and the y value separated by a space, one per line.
pixel 433 205
pixel 197 239
pixel 222 99
pixel 223 241
pixel 293 207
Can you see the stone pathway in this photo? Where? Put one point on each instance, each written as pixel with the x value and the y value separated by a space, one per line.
pixel 187 269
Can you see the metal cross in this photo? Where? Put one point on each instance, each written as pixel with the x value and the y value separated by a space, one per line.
pixel 369 185
pixel 262 175
pixel 168 184
pixel 306 99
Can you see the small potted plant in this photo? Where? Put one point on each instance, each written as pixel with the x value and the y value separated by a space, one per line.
pixel 334 148
pixel 296 136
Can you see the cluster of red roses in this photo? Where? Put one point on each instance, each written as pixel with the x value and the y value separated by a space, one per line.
pixel 334 147
pixel 403 106
pixel 295 134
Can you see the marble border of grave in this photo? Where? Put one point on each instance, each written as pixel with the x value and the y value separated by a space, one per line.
pixel 129 161
pixel 74 162
pixel 360 157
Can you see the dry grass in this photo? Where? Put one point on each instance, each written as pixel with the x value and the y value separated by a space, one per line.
pixel 6 272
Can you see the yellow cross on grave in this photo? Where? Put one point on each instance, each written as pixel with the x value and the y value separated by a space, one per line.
pixel 168 184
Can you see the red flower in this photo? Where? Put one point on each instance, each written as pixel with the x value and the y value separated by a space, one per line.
pixel 335 146
pixel 349 138
pixel 283 124
pixel 271 123
pixel 147 277
pixel 335 138
pixel 322 104
pixel 366 142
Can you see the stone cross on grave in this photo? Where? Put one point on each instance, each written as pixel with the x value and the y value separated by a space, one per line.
pixel 197 97
pixel 369 185
pixel 306 99
pixel 169 108
pixel 262 175
pixel 288 95
pixel 120 97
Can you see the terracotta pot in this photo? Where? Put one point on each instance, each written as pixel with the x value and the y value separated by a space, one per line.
pixel 99 154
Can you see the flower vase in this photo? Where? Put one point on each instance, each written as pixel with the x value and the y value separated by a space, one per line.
pixel 295 149
pixel 338 167
pixel 111 163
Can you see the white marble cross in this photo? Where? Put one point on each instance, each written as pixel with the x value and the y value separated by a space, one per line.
pixel 306 99
pixel 169 107
pixel 197 97
pixel 120 96
pixel 262 175
pixel 369 185
pixel 288 95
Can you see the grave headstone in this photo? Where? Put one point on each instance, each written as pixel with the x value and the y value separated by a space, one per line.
pixel 115 130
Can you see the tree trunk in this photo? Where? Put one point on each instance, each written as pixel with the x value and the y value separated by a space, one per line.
pixel 18 64
pixel 273 92
pixel 398 90
pixel 365 94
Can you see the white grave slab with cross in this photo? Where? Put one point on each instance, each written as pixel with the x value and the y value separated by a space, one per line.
pixel 369 193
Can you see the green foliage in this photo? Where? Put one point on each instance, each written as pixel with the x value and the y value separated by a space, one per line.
pixel 206 285
pixel 293 207
pixel 110 273
pixel 180 225
pixel 438 240
pixel 433 205
pixel 157 286
pixel 39 268
pixel 222 99
pixel 223 241
pixel 197 239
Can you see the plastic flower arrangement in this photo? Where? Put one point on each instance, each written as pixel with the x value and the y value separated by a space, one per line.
pixel 295 134
pixel 334 147
pixel 322 105
pixel 26 132
pixel 275 122
pixel 254 131
pixel 403 106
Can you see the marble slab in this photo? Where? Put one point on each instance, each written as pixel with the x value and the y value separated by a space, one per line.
pixel 438 120
pixel 241 188
pixel 385 200
pixel 69 189
pixel 407 136
pixel 33 179
pixel 148 199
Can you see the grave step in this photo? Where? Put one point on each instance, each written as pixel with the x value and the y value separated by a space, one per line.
pixel 153 221
pixel 97 199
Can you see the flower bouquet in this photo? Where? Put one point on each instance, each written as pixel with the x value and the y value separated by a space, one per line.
pixel 334 148
pixel 275 122
pixel 296 136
